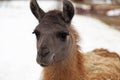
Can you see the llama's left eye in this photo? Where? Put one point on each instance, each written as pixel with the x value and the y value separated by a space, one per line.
pixel 62 35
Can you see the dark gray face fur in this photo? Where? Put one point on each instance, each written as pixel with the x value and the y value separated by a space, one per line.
pixel 52 33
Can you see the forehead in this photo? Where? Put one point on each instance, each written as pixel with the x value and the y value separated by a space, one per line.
pixel 52 22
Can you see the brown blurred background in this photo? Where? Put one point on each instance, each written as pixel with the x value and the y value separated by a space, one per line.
pixel 107 11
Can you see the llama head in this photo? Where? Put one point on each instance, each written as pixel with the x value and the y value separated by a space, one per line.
pixel 52 33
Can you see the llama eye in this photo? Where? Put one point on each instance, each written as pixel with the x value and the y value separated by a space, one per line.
pixel 62 35
pixel 37 34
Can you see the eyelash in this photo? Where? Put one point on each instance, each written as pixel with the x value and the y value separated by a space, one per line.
pixel 37 34
pixel 62 35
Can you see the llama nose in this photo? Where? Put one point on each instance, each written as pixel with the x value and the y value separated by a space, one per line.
pixel 44 52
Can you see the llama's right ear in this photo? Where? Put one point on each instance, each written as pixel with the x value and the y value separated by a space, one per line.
pixel 36 10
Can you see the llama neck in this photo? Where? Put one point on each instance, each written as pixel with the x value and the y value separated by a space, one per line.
pixel 70 69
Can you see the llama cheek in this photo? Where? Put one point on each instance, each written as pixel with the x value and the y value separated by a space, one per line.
pixel 68 38
pixel 59 57
pixel 51 59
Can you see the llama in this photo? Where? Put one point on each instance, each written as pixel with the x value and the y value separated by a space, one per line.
pixel 58 52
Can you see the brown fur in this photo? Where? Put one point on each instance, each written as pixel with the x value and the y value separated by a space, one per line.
pixel 102 65
pixel 99 64
pixel 59 53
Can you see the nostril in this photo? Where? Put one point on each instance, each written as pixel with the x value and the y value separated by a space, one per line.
pixel 45 52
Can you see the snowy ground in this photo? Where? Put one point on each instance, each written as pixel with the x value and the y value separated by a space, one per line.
pixel 18 47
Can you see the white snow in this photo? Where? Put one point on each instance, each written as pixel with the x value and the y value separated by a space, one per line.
pixel 102 1
pixel 95 34
pixel 18 45
pixel 115 12
pixel 83 6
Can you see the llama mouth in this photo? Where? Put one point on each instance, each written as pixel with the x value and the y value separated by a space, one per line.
pixel 45 61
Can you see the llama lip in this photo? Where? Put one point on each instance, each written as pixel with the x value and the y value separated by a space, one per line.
pixel 43 65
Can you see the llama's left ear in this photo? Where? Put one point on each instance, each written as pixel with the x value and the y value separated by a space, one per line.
pixel 68 11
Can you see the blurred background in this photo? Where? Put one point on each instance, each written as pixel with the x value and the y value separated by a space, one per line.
pixel 97 22
pixel 107 11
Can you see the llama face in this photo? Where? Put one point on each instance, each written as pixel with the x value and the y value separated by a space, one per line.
pixel 52 40
pixel 52 33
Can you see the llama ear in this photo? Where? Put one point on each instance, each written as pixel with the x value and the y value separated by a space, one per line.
pixel 36 10
pixel 68 11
